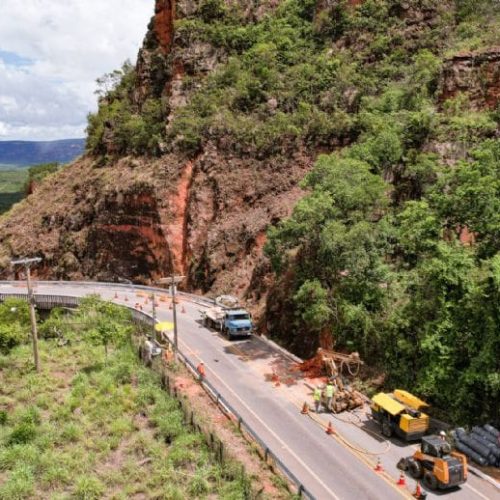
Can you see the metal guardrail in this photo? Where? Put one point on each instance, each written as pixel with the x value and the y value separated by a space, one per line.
pixel 49 301
pixel 127 286
pixel 45 301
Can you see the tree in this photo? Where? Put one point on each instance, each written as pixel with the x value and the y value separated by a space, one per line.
pixel 336 245
pixel 14 323
pixel 106 323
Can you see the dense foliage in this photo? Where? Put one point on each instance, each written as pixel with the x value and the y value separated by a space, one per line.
pixel 395 252
pixel 14 324
pixel 121 126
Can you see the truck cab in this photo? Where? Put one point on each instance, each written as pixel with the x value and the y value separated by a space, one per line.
pixel 229 318
pixel 237 323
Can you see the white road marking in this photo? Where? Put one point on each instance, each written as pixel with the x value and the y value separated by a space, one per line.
pixel 478 493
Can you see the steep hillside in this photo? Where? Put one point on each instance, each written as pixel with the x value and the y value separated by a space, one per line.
pixel 202 146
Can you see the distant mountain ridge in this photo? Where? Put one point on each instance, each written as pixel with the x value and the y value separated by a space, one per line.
pixel 27 153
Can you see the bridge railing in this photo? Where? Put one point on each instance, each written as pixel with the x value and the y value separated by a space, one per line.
pixel 48 301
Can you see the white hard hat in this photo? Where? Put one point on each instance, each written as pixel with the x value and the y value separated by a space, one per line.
pixel 442 433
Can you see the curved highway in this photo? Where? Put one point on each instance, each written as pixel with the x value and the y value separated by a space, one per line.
pixel 339 467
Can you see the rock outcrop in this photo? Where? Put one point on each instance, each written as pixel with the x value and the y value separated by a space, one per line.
pixel 476 74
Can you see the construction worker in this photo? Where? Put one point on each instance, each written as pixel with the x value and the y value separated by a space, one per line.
pixel 330 391
pixel 317 399
pixel 442 435
pixel 201 371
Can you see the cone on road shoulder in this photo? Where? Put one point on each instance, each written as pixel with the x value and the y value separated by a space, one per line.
pixel 330 430
pixel 378 467
pixel 305 409
pixel 401 480
pixel 419 494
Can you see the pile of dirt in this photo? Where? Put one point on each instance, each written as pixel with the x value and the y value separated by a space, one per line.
pixel 312 368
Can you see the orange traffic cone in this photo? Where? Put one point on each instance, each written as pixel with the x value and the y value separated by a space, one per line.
pixel 401 480
pixel 305 409
pixel 418 491
pixel 330 430
pixel 378 467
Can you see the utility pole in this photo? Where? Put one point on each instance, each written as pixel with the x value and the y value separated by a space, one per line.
pixel 173 280
pixel 154 316
pixel 174 308
pixel 31 301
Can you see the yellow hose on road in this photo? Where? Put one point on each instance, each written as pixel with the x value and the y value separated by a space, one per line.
pixel 348 443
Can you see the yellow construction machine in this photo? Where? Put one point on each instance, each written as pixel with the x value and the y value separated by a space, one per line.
pixel 435 463
pixel 400 414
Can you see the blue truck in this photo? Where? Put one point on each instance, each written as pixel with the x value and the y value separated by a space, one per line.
pixel 228 317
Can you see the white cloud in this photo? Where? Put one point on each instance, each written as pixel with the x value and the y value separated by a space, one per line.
pixel 70 43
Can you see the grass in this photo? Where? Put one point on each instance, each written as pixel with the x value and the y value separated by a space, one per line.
pixel 11 187
pixel 87 429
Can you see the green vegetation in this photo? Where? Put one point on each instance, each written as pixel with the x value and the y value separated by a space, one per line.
pixel 395 282
pixel 90 426
pixel 379 250
pixel 11 187
pixel 131 128
pixel 14 184
pixel 285 83
pixel 37 173
pixel 14 323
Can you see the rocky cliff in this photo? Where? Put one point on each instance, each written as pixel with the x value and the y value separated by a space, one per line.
pixel 203 144
pixel 204 215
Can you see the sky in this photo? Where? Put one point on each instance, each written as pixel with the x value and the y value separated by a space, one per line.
pixel 51 53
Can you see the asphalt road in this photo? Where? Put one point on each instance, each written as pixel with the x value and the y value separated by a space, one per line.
pixel 330 468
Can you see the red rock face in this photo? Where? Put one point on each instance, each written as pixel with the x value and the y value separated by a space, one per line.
pixel 474 73
pixel 177 228
pixel 127 239
pixel 164 23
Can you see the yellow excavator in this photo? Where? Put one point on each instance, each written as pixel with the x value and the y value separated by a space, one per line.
pixel 400 413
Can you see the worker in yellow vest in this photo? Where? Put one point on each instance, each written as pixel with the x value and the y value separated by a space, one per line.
pixel 317 399
pixel 330 391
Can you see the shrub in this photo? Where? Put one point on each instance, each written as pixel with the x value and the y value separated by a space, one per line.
pixel 22 433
